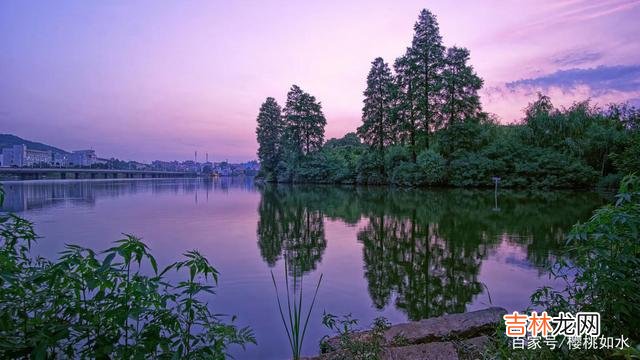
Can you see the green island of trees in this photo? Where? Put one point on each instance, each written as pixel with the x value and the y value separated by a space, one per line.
pixel 423 125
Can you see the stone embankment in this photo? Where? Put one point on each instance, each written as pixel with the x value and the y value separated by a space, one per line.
pixel 448 337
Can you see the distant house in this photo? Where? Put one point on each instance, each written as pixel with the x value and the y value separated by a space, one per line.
pixel 83 158
pixel 61 159
pixel 222 169
pixel 20 155
pixel 139 166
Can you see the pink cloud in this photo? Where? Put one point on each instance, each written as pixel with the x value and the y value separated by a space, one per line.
pixel 142 78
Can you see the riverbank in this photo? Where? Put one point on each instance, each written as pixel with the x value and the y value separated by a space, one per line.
pixel 448 337
pixel 10 173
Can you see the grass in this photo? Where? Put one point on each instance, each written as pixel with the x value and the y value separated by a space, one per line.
pixel 295 328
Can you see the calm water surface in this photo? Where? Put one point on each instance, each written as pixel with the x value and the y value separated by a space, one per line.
pixel 402 254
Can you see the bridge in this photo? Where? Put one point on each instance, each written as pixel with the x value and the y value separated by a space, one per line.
pixel 71 173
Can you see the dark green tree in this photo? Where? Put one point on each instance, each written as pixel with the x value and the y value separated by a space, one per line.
pixel 461 85
pixel 628 161
pixel 304 122
pixel 269 135
pixel 405 104
pixel 377 129
pixel 427 54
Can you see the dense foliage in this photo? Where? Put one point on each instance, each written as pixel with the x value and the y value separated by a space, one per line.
pixel 114 304
pixel 269 133
pixel 377 114
pixel 422 124
pixel 603 266
pixel 600 266
pixel 584 147
pixel 303 123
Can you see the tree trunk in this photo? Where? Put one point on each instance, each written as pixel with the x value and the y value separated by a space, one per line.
pixel 426 95
pixel 412 130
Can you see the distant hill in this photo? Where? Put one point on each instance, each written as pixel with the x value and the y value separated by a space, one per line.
pixel 8 140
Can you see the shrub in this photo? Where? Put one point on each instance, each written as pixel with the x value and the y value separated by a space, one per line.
pixel 609 182
pixel 396 155
pixel 432 168
pixel 545 168
pixel 370 167
pixel 352 345
pixel 470 170
pixel 603 266
pixel 520 165
pixel 628 160
pixel 405 174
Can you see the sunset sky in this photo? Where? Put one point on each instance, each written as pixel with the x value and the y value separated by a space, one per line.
pixel 147 80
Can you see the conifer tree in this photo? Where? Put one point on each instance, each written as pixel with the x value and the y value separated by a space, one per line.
pixel 427 54
pixel 377 129
pixel 405 104
pixel 461 85
pixel 304 122
pixel 269 135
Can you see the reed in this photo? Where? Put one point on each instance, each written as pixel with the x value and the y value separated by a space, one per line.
pixel 295 327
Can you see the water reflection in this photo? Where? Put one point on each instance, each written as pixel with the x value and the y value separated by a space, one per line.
pixel 289 227
pixel 383 252
pixel 422 250
pixel 31 195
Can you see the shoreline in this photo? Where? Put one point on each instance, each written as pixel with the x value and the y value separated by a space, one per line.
pixel 448 337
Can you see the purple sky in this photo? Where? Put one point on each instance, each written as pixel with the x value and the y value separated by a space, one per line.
pixel 151 80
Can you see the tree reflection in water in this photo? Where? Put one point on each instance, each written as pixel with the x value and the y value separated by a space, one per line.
pixel 289 227
pixel 422 249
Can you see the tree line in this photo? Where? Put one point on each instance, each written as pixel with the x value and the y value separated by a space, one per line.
pixel 423 124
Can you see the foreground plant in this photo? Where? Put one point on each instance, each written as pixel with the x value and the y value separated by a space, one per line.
pixel 103 305
pixel 601 270
pixel 602 266
pixel 352 345
pixel 295 328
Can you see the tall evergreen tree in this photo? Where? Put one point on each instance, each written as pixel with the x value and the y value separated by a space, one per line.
pixel 461 85
pixel 405 104
pixel 377 128
pixel 427 53
pixel 269 135
pixel 304 121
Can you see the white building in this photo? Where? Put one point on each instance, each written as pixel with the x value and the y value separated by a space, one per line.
pixel 82 158
pixel 19 155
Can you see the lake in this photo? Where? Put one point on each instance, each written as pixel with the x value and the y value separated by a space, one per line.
pixel 398 253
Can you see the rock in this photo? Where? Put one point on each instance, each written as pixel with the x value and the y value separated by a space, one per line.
pixel 334 342
pixel 432 351
pixel 445 337
pixel 462 325
pixel 473 348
